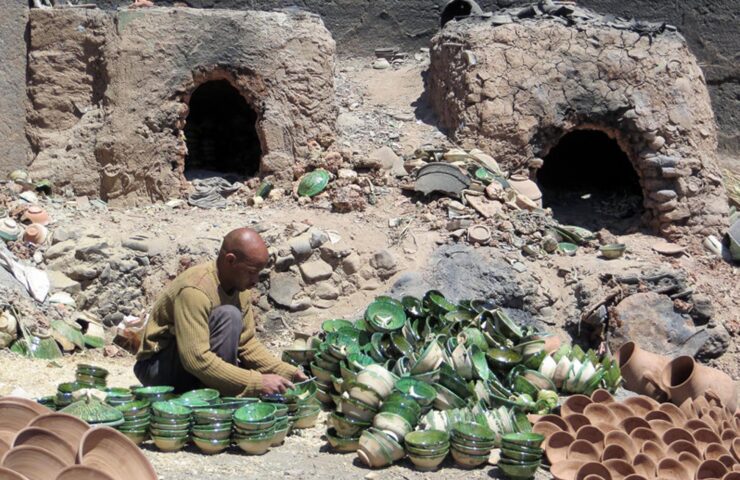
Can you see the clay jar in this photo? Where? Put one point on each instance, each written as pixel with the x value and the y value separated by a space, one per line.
pixel 641 369
pixel 36 234
pixel 523 185
pixel 34 214
pixel 682 378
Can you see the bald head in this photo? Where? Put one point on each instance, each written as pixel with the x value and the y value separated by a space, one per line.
pixel 242 256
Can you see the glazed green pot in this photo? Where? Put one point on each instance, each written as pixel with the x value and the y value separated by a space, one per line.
pixel 421 392
pixel 503 358
pixel 142 423
pixel 138 437
pixel 169 422
pixel 170 444
pixel 134 409
pixel 307 420
pixel 212 433
pixel 341 444
pixel 385 316
pixel 517 470
pixel 531 440
pixel 255 445
pixel 473 431
pixel 255 413
pixel 211 446
pixel 313 183
pixel 211 415
pixel 157 432
pixel 347 427
pixel 428 452
pixel 428 439
pixel 358 410
pixel 427 463
pixel 171 410
pixel 467 461
pixel 92 371
pixel 208 395
pixel 153 391
pixel 520 456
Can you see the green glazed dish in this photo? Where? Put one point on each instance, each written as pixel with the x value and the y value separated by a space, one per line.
pixel 170 409
pixel 170 444
pixel 384 316
pixel 211 446
pixel 212 415
pixel 531 439
pixel 428 439
pixel 473 431
pixel 313 183
pixel 341 444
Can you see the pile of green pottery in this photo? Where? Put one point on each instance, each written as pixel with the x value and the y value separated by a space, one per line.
pixel 65 394
pixel 201 398
pixel 212 429
pixel 302 407
pixel 520 455
pixel 254 427
pixel 427 449
pixel 94 411
pixel 91 376
pixel 170 425
pixel 136 420
pixel 116 397
pixel 471 444
pixel 159 393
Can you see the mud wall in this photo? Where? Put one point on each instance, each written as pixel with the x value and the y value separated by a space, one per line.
pixel 13 144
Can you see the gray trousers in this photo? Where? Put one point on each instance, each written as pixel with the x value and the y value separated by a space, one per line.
pixel 225 325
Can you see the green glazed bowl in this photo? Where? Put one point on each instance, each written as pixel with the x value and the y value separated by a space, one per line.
pixel 384 316
pixel 170 444
pixel 518 470
pixel 207 395
pixel 421 392
pixel 92 371
pixel 428 439
pixel 340 444
pixel 153 391
pixel 331 326
pixel 473 431
pixel 134 409
pixel 254 446
pixel 212 415
pixel 211 446
pixel 169 421
pixel 427 463
pixel 259 412
pixel 138 437
pixel 467 461
pixel 520 456
pixel 531 440
pixel 347 427
pixel 156 432
pixel 212 434
pixel 172 410
pixel 313 183
pixel 427 452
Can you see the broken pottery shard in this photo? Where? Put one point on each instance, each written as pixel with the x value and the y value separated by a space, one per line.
pixel 667 248
pixel 441 177
pixel 484 207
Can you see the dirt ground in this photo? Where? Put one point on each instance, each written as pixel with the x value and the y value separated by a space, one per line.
pixel 377 107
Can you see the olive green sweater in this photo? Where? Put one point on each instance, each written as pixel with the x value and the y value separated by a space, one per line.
pixel 181 315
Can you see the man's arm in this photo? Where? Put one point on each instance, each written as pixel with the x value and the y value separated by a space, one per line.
pixel 254 355
pixel 191 309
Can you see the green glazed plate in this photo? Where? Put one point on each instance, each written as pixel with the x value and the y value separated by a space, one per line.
pixel 313 183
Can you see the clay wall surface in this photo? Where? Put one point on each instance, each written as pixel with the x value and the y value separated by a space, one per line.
pixel 13 144
pixel 110 100
pixel 514 90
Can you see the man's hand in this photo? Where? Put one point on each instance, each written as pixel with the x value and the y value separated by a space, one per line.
pixel 299 376
pixel 272 383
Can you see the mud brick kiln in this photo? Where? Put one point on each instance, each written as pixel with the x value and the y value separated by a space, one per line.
pixel 578 99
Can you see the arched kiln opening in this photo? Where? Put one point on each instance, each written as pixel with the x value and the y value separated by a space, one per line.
pixel 459 9
pixel 221 131
pixel 588 180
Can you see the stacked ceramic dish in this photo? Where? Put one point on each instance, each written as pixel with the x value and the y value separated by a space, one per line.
pixel 136 420
pixel 520 455
pixel 471 444
pixel 170 425
pixel 254 427
pixel 378 449
pixel 427 449
pixel 325 365
pixel 212 429
pixel 398 415
pixel 38 444
pixel 302 351
pixel 202 398
pixel 641 438
pixel 93 411
pixel 65 394
pixel 118 396
pixel 154 394
pixel 91 376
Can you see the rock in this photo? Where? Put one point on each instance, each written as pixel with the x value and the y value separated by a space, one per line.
pixel 716 345
pixel 301 247
pixel 369 284
pixel 83 272
pixel 348 199
pixel 346 173
pixel 383 260
pixel 385 159
pixel 486 208
pixel 113 319
pixel 650 320
pixel 62 234
pixel 703 310
pixel 315 271
pixel 59 249
pixel 318 238
pixel 352 264
pixel 381 64
pixel 327 291
pixel 663 195
pixel 284 263
pixel 324 304
pixel 91 249
pixel 283 288
pixel 59 281
pixel 146 244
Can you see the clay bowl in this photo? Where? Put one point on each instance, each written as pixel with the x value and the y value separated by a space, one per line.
pixel 641 405
pixel 630 423
pixel 607 427
pixel 635 476
pixel 49 441
pixel 602 396
pixel 81 472
pixel 615 452
pixel 732 476
pixel 593 477
pixel 619 468
pixel 675 449
pixel 621 411
pixel 599 413
pixel 576 420
pixel 660 426
pixel 582 451
pixel 556 420
pixel 593 468
pixel 8 474
pixel 644 465
pixel 710 469
pixel 641 435
pixel 735 450
pixel 33 462
pixel 695 424
pixel 704 437
pixel 658 415
pixel 677 416
pixel 729 462
pixel 672 468
pixel 113 453
pixel 714 451
pixel 592 434
pixel 574 404
pixel 42 410
pixel 66 426
pixel 653 450
pixel 566 469
pixel 546 429
pixel 728 435
pixel 557 446
pixel 14 417
pixel 620 438
pixel 4 447
pixel 690 462
pixel 675 434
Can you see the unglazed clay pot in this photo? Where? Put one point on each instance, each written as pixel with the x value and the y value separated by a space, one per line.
pixel 615 452
pixel 567 470
pixel 51 442
pixel 653 450
pixel 679 446
pixel 36 234
pixel 557 446
pixel 34 214
pixel 8 474
pixel 523 185
pixel 594 468
pixel 672 468
pixel 40 409
pixel 602 396
pixel 574 404
pixel 112 452
pixel 620 411
pixel 676 414
pixel 582 451
pixel 690 462
pixel 13 418
pixel 556 420
pixel 600 413
pixel 592 434
pixel 715 451
pixel 683 378
pixel 619 468
pixel 642 435
pixel 704 437
pixel 4 447
pixel 641 404
pixel 631 423
pixel 33 462
pixel 635 363
pixel 660 426
pixel 618 437
pixel 81 472
pixel 576 421
pixel 711 469
pixel 66 426
pixel 676 433
pixel 644 465
pixel 546 429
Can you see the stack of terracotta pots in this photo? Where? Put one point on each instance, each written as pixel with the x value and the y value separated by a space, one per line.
pixel 37 444
pixel 675 380
pixel 598 438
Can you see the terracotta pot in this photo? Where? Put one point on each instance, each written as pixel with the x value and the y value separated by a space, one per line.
pixel 582 451
pixel 727 437
pixel 13 418
pixel 112 452
pixel 35 214
pixel 556 447
pixel 728 461
pixel 658 415
pixel 523 185
pixel 675 434
pixel 644 465
pixel 635 476
pixel 40 409
pixel 556 420
pixel 66 426
pixel 49 441
pixel 714 451
pixel 732 476
pixel 620 411
pixel 711 469
pixel 599 413
pixel 592 434
pixel 576 421
pixel 635 365
pixel 33 462
pixel 574 404
pixel 683 378
pixel 690 462
pixel 623 440
pixel 687 407
pixel 81 472
pixel 641 404
pixel 696 424
pixel 606 427
pixel 653 450
pixel 8 474
pixel 36 234
pixel 4 447
pixel 660 426
pixel 619 468
pixel 546 429
pixel 704 437
pixel 615 452
pixel 594 468
pixel 566 470
pixel 602 396
pixel 735 450
pixel 676 448
pixel 593 477
pixel 672 468
pixel 642 435
pixel 631 423
pixel 676 414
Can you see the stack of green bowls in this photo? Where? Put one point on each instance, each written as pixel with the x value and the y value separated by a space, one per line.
pixel 201 398
pixel 398 415
pixel 136 420
pixel 91 376
pixel 520 455
pixel 212 429
pixel 154 394
pixel 422 392
pixel 283 423
pixel 344 434
pixel 471 444
pixel 64 396
pixel 170 425
pixel 306 415
pixel 116 397
pixel 49 401
pixel 254 427
pixel 427 449
pixel 325 365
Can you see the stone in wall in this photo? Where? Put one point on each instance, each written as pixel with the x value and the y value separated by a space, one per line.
pixel 13 143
